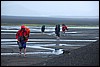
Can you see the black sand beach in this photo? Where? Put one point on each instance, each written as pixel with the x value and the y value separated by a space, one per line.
pixel 72 56
pixel 84 56
pixel 87 55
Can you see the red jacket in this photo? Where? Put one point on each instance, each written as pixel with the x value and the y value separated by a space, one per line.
pixel 20 33
pixel 64 28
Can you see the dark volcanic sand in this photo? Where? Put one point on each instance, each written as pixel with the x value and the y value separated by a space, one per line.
pixel 84 56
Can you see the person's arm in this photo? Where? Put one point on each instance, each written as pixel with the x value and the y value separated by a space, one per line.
pixel 28 33
pixel 66 28
pixel 55 30
pixel 17 34
pixel 26 36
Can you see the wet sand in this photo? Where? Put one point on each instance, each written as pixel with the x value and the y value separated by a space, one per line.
pixel 30 59
pixel 72 56
pixel 16 60
pixel 84 56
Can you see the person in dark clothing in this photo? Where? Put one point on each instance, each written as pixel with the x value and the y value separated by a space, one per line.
pixel 58 27
pixel 57 31
pixel 43 28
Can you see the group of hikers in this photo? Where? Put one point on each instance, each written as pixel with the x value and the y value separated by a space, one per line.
pixel 57 29
pixel 23 34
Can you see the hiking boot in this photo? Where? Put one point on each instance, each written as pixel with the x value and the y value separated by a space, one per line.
pixel 24 55
pixel 19 54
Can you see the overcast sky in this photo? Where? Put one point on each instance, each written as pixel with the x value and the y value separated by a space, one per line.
pixel 50 8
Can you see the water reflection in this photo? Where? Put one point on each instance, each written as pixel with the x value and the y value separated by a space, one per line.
pixel 51 40
pixel 55 51
pixel 57 42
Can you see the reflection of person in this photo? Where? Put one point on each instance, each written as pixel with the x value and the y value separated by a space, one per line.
pixel 43 28
pixel 22 38
pixel 57 44
pixel 56 49
pixel 57 31
pixel 64 28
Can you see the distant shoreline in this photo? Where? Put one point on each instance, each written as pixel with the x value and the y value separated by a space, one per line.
pixel 57 16
pixel 49 25
pixel 48 20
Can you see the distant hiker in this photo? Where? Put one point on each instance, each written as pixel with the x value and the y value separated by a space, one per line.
pixel 64 28
pixel 22 38
pixel 57 31
pixel 43 28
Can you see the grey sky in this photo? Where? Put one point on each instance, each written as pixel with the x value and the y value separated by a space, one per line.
pixel 50 8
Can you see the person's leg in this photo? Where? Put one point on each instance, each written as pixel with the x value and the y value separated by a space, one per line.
pixel 64 33
pixel 24 45
pixel 58 36
pixel 19 51
pixel 19 47
pixel 42 30
pixel 24 51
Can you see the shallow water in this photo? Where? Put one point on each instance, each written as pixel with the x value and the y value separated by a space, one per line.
pixel 34 33
pixel 9 43
pixel 55 52
pixel 3 40
pixel 33 27
pixel 40 46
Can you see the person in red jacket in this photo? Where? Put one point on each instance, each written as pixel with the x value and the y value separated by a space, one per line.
pixel 22 38
pixel 64 28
